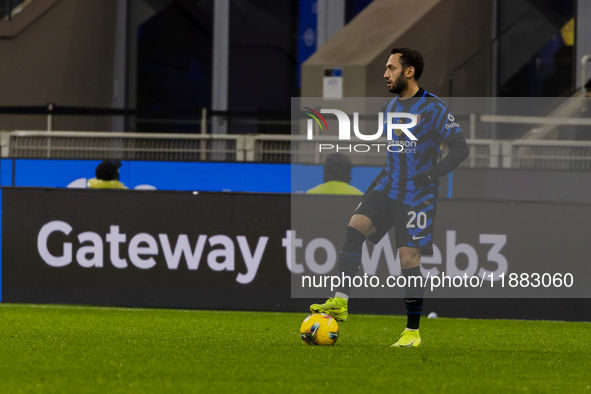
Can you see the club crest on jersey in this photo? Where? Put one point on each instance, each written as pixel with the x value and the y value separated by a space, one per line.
pixel 399 132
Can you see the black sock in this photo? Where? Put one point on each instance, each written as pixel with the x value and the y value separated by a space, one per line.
pixel 413 297
pixel 349 259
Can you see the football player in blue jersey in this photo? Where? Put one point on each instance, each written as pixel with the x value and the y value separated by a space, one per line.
pixel 404 195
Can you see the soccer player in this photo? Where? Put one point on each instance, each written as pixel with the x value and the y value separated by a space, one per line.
pixel 404 194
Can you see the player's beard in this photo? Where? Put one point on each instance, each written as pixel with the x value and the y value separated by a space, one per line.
pixel 399 85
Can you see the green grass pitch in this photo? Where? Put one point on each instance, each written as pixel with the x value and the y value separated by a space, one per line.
pixel 62 349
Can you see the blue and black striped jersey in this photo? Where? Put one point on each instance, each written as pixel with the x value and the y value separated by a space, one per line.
pixel 436 126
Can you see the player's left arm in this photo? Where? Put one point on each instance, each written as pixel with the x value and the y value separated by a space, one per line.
pixel 458 151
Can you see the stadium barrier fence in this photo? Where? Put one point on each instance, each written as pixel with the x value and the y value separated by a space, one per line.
pixel 230 251
pixel 522 154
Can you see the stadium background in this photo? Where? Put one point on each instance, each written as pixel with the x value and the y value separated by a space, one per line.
pixel 229 68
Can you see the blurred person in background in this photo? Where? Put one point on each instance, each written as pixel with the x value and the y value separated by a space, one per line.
pixel 107 176
pixel 337 176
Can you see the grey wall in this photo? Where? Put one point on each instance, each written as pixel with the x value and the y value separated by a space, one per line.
pixel 549 186
pixel 64 56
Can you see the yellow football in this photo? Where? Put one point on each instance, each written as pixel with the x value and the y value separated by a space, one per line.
pixel 319 329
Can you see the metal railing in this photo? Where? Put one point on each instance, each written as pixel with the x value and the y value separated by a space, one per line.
pixel 548 155
pixel 123 146
pixel 261 121
pixel 532 154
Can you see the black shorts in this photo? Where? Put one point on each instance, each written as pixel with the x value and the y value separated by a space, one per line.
pixel 413 225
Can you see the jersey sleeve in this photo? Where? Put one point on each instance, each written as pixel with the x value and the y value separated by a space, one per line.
pixel 445 123
pixel 452 135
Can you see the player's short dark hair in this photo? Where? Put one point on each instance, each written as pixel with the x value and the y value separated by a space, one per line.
pixel 588 85
pixel 410 57
pixel 337 167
